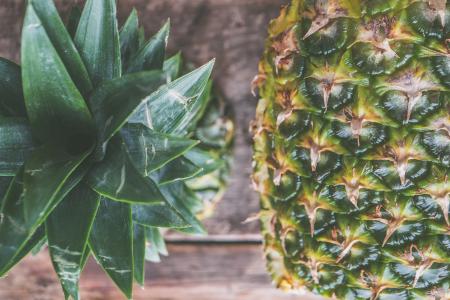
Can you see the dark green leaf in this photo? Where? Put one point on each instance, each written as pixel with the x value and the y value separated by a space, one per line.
pixel 4 184
pixel 45 173
pixel 158 216
pixel 204 159
pixel 179 169
pixel 116 100
pixel 116 178
pixel 97 39
pixel 151 55
pixel 56 110
pixel 12 103
pixel 111 241
pixel 141 37
pixel 38 238
pixel 175 195
pixel 199 110
pixel 150 150
pixel 129 38
pixel 74 20
pixel 139 253
pixel 47 16
pixel 15 232
pixel 30 198
pixel 156 245
pixel 68 229
pixel 16 144
pixel 172 67
pixel 170 109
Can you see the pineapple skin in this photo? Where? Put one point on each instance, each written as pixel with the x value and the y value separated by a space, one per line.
pixel 352 148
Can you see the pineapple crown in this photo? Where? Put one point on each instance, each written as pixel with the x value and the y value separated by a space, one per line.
pixel 96 143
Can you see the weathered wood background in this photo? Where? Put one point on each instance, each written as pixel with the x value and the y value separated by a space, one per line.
pixel 233 31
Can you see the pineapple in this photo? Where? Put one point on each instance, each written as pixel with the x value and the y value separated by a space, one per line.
pixel 101 141
pixel 352 148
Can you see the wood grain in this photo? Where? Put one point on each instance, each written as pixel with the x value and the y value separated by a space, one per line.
pixel 191 272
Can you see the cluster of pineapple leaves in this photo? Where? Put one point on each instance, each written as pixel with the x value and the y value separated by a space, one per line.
pixel 96 143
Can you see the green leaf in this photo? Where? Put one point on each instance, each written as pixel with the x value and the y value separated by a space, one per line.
pixel 116 178
pixel 139 253
pixel 179 169
pixel 199 109
pixel 175 195
pixel 158 216
pixel 74 20
pixel 111 241
pixel 150 150
pixel 116 100
pixel 169 109
pixel 56 109
pixel 4 184
pixel 36 239
pixel 172 67
pixel 84 259
pixel 45 173
pixel 129 39
pixel 97 39
pixel 15 230
pixel 151 55
pixel 47 16
pixel 12 103
pixel 68 228
pixel 156 246
pixel 204 159
pixel 16 143
pixel 156 240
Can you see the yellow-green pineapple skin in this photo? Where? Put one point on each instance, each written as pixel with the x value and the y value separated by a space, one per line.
pixel 352 148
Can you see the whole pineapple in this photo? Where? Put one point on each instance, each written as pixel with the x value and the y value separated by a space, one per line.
pixel 98 143
pixel 352 148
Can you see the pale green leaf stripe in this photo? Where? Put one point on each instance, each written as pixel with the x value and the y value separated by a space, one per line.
pixel 56 109
pixel 111 241
pixel 167 109
pixel 129 39
pixel 62 42
pixel 16 144
pixel 11 96
pixel 97 39
pixel 68 228
pixel 151 55
pixel 149 150
pixel 116 178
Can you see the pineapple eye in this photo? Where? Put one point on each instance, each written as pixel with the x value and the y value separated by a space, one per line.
pixel 328 40
pixel 428 21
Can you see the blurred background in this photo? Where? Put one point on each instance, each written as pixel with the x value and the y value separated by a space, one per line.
pixel 227 265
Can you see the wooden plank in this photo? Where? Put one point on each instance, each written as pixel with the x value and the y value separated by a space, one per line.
pixel 191 272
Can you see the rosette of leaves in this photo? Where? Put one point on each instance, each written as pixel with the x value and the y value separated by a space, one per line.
pixel 96 143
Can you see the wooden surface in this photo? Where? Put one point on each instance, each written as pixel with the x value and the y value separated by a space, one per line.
pixel 191 272
pixel 233 31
